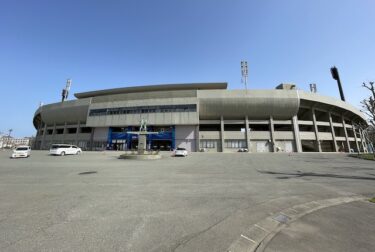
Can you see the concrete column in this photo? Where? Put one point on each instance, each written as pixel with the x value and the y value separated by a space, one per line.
pixel 346 133
pixel 368 143
pixel 363 140
pixel 296 134
pixel 197 138
pixel 272 132
pixel 333 132
pixel 247 132
pixel 222 137
pixel 77 132
pixel 355 137
pixel 38 137
pixel 53 132
pixel 361 137
pixel 64 131
pixel 92 139
pixel 316 131
pixel 44 136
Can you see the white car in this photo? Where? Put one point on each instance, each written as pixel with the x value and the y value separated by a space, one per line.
pixel 181 152
pixel 21 151
pixel 64 149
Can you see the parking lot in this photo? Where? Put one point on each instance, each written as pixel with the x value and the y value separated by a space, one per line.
pixel 97 202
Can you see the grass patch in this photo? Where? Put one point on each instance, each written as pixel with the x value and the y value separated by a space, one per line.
pixel 367 156
pixel 372 200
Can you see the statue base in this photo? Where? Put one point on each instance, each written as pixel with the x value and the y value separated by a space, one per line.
pixel 146 155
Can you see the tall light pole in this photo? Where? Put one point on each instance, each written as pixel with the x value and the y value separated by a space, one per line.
pixel 244 73
pixel 10 132
pixel 336 76
pixel 65 91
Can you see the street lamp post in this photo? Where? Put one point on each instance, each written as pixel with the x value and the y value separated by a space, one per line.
pixel 10 131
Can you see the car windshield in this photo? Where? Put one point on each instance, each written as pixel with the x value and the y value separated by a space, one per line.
pixel 181 149
pixel 22 148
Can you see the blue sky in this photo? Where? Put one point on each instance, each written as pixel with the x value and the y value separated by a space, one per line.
pixel 109 44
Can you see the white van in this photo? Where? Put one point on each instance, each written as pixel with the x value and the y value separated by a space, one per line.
pixel 64 149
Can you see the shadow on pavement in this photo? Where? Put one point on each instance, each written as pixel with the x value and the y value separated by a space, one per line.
pixel 298 174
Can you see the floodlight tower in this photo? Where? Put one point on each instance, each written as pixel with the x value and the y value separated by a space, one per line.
pixel 336 76
pixel 244 72
pixel 65 91
pixel 313 88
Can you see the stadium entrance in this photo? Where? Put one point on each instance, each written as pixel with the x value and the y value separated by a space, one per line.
pixel 120 139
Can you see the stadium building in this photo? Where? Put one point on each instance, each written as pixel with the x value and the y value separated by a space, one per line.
pixel 203 117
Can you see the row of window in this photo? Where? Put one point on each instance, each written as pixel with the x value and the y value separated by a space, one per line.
pixel 136 128
pixel 208 144
pixel 144 109
pixel 241 127
pixel 68 131
pixel 234 144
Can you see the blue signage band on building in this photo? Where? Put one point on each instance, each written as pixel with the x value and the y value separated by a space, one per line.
pixel 163 140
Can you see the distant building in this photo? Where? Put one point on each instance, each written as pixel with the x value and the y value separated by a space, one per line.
pixel 10 142
pixel 203 117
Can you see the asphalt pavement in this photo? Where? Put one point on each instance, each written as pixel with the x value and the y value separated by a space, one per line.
pixel 204 202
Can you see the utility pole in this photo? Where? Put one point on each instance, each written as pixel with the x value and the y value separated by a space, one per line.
pixel 10 132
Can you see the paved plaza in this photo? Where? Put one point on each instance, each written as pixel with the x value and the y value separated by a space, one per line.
pixel 204 202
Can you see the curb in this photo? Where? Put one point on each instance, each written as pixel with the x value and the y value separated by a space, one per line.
pixel 256 237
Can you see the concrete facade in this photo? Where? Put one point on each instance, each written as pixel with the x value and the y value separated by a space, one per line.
pixel 203 117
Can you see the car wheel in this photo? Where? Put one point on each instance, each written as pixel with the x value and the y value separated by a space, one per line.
pixel 62 153
pixel 78 152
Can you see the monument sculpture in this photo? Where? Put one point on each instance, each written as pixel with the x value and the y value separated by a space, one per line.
pixel 142 152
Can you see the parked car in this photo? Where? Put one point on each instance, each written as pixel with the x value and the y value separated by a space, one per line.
pixel 181 152
pixel 243 150
pixel 64 149
pixel 21 151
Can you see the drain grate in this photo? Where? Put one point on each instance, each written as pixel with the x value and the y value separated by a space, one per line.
pixel 87 173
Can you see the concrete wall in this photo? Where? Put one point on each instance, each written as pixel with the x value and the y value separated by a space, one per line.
pixel 144 99
pixel 256 104
pixel 185 137
pixel 180 118
pixel 100 134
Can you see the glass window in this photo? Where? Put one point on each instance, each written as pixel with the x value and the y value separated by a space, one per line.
pixel 209 144
pixel 144 109
pixel 235 144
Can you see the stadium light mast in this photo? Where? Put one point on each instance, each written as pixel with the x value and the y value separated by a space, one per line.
pixel 244 73
pixel 65 91
pixel 336 76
